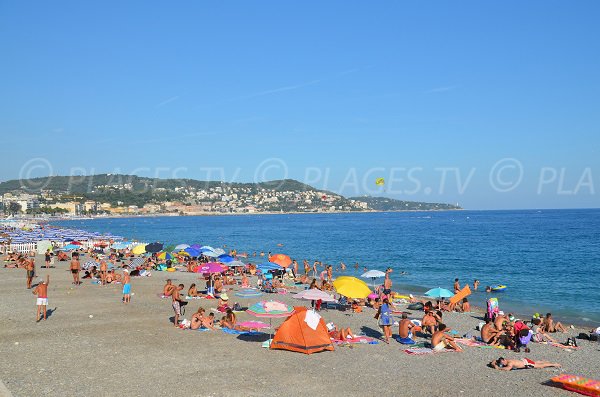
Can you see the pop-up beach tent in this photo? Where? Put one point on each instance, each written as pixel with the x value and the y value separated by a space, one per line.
pixel 303 332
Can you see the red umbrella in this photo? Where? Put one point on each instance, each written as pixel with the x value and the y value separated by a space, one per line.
pixel 75 243
pixel 281 259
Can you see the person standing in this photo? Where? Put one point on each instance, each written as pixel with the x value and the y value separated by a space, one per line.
pixel 47 258
pixel 75 268
pixel 384 315
pixel 30 269
pixel 306 267
pixel 387 283
pixel 177 304
pixel 126 286
pixel 41 290
pixel 456 286
pixel 103 269
pixel 295 267
pixel 475 285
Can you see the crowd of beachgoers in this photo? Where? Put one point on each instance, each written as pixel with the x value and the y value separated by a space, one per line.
pixel 417 323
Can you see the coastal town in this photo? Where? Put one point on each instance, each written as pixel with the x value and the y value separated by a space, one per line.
pixel 141 197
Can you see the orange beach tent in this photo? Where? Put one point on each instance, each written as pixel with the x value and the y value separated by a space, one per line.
pixel 295 334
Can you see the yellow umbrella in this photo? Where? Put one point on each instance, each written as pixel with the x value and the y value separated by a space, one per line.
pixel 351 287
pixel 343 279
pixel 139 249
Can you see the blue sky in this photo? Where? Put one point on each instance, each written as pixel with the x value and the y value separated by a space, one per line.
pixel 332 93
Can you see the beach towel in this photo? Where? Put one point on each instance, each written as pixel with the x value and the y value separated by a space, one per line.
pixel 474 343
pixel 199 329
pixel 405 341
pixel 420 351
pixel 162 296
pixel 357 339
pixel 238 332
pixel 560 345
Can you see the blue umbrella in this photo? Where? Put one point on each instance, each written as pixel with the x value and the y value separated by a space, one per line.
pixel 71 247
pixel 439 293
pixel 225 258
pixel 192 252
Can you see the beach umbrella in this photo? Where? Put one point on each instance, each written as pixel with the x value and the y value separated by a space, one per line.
pixel 210 254
pixel 270 310
pixel 70 247
pixel 351 287
pixel 281 259
pixel 89 264
pixel 314 294
pixel 138 249
pixel 205 248
pixel 181 247
pixel 154 247
pixel 265 267
pixel 164 256
pixel 373 275
pixel 76 243
pixel 169 248
pixel 225 258
pixel 342 279
pixel 191 251
pixel 219 251
pixel 248 293
pixel 210 267
pixel 135 262
pixel 236 264
pixel 439 293
pixel 196 246
pixel 43 246
pixel 119 246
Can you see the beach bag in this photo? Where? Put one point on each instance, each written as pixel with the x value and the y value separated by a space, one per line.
pixel 583 335
pixel 594 337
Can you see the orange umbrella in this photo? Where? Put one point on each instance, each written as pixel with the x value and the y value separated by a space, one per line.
pixel 281 259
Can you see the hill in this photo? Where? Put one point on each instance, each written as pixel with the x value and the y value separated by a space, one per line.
pixel 389 204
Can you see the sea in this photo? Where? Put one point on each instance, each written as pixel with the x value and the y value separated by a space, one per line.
pixel 548 259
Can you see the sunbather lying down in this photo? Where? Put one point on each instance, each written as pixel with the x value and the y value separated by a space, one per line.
pixel 521 363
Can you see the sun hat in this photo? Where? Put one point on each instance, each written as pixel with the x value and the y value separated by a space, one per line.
pixel 224 297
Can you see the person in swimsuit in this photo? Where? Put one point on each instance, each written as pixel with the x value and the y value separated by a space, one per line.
pixel 384 315
pixel 42 297
pixel 177 304
pixel 126 286
pixel 548 325
pixel 475 285
pixel 168 288
pixel 75 268
pixel 30 268
pixel 47 258
pixel 456 286
pixel 199 321
pixel 103 270
pixel 405 328
pixel 504 364
pixel 440 340
pixel 489 333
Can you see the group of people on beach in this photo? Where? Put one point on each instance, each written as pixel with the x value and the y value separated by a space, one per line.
pixel 499 330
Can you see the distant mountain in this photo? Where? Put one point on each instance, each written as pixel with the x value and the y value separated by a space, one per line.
pixel 389 204
pixel 119 190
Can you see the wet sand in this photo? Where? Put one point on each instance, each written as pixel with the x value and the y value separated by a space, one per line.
pixel 133 350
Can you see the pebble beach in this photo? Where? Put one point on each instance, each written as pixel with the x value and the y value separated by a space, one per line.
pixel 92 344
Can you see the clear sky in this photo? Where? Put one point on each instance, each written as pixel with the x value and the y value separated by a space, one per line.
pixel 502 95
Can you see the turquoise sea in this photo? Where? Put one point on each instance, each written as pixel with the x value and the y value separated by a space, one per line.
pixel 549 259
